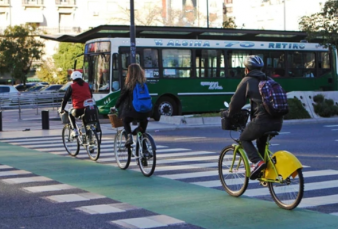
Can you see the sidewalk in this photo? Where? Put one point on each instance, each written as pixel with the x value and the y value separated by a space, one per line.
pixel 29 123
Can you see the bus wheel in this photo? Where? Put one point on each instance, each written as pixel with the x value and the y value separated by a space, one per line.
pixel 165 106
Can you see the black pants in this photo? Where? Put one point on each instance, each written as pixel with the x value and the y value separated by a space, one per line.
pixel 255 130
pixel 142 126
pixel 75 113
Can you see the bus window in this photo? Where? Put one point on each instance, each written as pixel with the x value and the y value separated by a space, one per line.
pixel 206 63
pixel 101 71
pixel 222 66
pixel 236 63
pixel 150 63
pixel 115 77
pixel 125 60
pixel 301 64
pixel 275 64
pixel 324 65
pixel 176 63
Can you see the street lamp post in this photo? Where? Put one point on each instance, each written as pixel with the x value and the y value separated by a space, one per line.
pixel 207 13
pixel 132 34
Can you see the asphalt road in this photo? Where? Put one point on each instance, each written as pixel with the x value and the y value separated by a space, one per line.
pixel 187 160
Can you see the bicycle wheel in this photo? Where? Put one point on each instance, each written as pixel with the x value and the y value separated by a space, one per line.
pixel 72 145
pixel 289 192
pixel 93 145
pixel 232 172
pixel 147 158
pixel 122 154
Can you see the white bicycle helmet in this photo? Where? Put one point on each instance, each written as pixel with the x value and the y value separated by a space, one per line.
pixel 76 75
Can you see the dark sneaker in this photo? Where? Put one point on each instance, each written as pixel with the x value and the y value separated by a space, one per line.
pixel 147 154
pixel 144 161
pixel 129 140
pixel 257 170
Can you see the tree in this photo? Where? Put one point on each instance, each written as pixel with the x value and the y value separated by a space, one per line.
pixel 18 49
pixel 150 15
pixel 229 23
pixel 66 55
pixel 322 25
pixel 49 73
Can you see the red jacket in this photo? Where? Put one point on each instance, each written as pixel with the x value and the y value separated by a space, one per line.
pixel 80 94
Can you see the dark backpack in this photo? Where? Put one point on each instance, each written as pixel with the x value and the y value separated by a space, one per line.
pixel 141 98
pixel 274 97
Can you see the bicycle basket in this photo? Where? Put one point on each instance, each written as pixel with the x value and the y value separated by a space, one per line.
pixel 64 118
pixel 238 121
pixel 115 121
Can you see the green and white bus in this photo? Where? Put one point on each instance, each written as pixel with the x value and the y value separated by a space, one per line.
pixel 195 76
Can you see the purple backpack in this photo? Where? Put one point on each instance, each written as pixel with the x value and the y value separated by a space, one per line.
pixel 274 97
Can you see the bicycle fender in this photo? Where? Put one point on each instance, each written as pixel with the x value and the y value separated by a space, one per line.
pixel 286 164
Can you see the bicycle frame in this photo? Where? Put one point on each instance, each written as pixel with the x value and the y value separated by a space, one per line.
pixel 287 165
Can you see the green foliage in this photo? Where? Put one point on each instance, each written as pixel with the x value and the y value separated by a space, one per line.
pixel 48 73
pixel 229 23
pixel 322 25
pixel 324 107
pixel 318 98
pixel 66 55
pixel 296 110
pixel 18 50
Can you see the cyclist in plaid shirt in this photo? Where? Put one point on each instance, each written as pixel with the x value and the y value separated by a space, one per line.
pixel 261 121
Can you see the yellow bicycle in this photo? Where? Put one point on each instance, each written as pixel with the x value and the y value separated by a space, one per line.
pixel 283 174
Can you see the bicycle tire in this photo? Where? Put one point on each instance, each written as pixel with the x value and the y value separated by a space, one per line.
pixel 71 144
pixel 93 150
pixel 234 182
pixel 122 153
pixel 147 164
pixel 288 194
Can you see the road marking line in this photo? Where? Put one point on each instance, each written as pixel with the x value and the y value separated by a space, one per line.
pixel 48 188
pixel 320 200
pixel 178 160
pixel 307 187
pixel 188 138
pixel 147 222
pixel 5 167
pixel 330 125
pixel 171 150
pixel 74 197
pixel 25 180
pixel 107 208
pixel 194 153
pixel 13 173
pixel 217 183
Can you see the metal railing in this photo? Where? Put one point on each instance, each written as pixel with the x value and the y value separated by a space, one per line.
pixel 5 2
pixel 30 100
pixel 32 3
pixel 65 2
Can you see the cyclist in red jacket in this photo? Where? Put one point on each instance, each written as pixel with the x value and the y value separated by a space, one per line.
pixel 79 91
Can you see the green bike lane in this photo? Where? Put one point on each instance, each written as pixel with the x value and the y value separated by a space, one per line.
pixel 200 206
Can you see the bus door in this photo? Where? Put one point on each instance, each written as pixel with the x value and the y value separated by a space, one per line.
pixel 124 62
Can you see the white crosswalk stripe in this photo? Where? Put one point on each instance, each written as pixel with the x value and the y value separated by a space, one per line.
pixel 172 163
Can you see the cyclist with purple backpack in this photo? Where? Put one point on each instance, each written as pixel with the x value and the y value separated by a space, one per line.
pixel 261 120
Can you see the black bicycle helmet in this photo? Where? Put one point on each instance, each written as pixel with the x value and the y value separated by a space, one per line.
pixel 252 62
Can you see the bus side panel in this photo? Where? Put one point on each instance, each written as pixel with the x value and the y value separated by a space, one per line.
pixel 197 95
